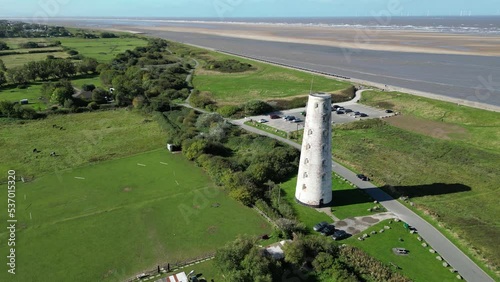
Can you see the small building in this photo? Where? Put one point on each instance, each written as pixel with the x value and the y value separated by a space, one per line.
pixel 24 102
pixel 84 95
pixel 276 250
pixel 173 148
pixel 179 277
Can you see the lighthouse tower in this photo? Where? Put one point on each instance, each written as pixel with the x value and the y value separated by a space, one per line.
pixel 314 181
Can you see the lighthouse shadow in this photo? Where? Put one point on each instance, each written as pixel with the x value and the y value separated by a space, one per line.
pixel 359 196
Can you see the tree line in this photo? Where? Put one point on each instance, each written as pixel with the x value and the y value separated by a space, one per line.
pixel 30 30
pixel 46 69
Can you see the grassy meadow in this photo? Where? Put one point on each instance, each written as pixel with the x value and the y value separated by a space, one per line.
pixel 445 157
pixel 112 220
pixel 33 91
pixel 102 49
pixel 419 264
pixel 86 138
pixel 264 82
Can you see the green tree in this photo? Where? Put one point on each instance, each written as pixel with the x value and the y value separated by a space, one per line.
pixel 99 95
pixel 17 75
pixel 2 66
pixel 193 149
pixel 3 46
pixel 88 65
pixel 295 252
pixel 323 261
pixel 257 107
pixel 3 80
pixel 7 108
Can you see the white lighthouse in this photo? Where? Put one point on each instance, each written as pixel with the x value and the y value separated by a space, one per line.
pixel 314 181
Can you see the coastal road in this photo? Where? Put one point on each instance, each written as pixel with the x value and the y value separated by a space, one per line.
pixel 444 247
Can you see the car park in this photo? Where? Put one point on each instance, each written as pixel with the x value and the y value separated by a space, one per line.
pixel 318 227
pixel 339 235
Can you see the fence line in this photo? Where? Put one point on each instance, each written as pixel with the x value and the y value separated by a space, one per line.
pixel 168 268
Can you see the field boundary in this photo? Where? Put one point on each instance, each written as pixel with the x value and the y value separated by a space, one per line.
pixel 168 268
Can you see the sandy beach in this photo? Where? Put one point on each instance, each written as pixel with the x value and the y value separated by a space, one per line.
pixel 347 38
pixel 457 67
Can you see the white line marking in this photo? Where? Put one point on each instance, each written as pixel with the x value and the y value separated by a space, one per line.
pixel 82 178
pixel 141 164
pixel 163 163
pixel 177 183
pixel 31 217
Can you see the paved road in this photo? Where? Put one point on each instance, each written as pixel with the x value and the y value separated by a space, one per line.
pixel 444 247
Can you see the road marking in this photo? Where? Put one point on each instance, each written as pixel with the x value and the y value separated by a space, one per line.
pixel 163 163
pixel 81 178
pixel 141 164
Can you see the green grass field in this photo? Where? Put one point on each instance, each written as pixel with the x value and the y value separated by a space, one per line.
pixel 349 201
pixel 265 83
pixel 21 59
pixel 307 215
pixel 453 176
pixel 419 264
pixel 33 91
pixel 126 216
pixel 102 49
pixel 87 138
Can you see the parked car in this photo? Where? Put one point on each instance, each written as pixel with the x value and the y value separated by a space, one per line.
pixel 340 112
pixel 318 227
pixel 348 110
pixel 303 113
pixel 389 111
pixel 357 113
pixel 335 107
pixel 297 120
pixel 263 120
pixel 363 177
pixel 339 235
pixel 274 116
pixel 328 230
pixel 291 118
pixel 363 115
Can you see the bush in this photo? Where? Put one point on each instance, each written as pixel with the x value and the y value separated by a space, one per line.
pixel 257 107
pixel 228 110
pixel 229 66
pixel 29 45
pixel 93 106
pixel 72 52
pixel 88 87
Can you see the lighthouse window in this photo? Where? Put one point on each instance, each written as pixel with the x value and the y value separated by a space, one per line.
pixel 308 146
pixel 306 175
pixel 304 187
pixel 310 132
pixel 316 105
pixel 306 161
pixel 323 163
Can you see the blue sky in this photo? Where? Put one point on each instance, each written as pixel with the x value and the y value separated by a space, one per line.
pixel 243 8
